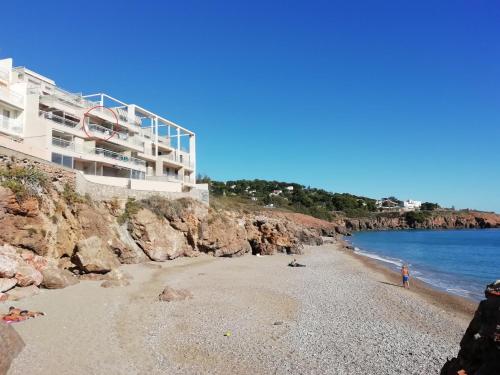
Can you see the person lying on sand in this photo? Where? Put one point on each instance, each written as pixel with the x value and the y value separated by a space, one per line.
pixel 16 315
pixel 294 263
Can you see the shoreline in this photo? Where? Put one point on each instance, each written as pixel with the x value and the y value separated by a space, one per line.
pixel 336 315
pixel 440 298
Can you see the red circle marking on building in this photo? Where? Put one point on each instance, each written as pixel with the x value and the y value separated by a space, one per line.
pixel 86 114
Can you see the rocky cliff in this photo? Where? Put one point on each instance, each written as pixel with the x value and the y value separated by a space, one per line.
pixel 51 237
pixel 480 347
pixel 435 220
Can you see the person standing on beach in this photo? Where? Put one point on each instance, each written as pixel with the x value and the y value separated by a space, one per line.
pixel 405 272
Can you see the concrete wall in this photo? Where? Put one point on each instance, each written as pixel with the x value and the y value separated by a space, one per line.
pixel 100 192
pixel 164 186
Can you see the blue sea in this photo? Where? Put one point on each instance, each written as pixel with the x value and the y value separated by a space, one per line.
pixel 460 262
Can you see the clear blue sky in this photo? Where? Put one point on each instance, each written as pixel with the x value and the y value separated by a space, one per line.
pixel 375 98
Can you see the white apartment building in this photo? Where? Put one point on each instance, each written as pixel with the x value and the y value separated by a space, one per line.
pixel 410 205
pixel 106 139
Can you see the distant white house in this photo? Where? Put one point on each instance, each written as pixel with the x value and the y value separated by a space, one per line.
pixel 275 193
pixel 410 205
pixel 289 188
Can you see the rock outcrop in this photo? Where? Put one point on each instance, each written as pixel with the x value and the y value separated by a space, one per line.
pixel 11 345
pixel 53 237
pixel 93 256
pixel 480 347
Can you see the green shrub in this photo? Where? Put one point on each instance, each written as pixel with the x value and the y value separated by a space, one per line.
pixel 24 182
pixel 132 207
pixel 416 217
pixel 167 208
pixel 71 196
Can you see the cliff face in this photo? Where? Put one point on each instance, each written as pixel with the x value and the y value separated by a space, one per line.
pixel 448 220
pixel 50 236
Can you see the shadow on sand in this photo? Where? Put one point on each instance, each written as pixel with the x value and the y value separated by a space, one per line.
pixel 385 282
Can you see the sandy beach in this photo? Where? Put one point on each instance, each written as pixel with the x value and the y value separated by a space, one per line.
pixel 339 315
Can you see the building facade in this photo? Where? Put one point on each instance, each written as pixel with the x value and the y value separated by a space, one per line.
pixel 108 140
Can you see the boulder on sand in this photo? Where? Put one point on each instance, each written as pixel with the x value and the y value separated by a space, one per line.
pixel 27 275
pixel 93 256
pixel 56 278
pixel 11 345
pixel 6 284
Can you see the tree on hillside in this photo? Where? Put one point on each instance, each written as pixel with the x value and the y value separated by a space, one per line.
pixel 428 206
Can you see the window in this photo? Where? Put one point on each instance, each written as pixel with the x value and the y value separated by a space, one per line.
pixel 138 175
pixel 64 160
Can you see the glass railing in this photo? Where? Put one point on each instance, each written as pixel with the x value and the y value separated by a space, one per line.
pixel 10 125
pixel 73 99
pixel 116 156
pixel 107 133
pixel 63 143
pixel 62 120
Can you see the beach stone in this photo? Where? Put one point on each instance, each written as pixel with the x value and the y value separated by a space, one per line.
pixel 116 278
pixel 115 283
pixel 28 275
pixel 6 284
pixel 3 297
pixel 20 293
pixel 93 256
pixel 56 278
pixel 170 294
pixel 11 345
pixel 8 266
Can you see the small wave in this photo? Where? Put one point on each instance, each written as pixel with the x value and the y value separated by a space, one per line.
pixel 396 262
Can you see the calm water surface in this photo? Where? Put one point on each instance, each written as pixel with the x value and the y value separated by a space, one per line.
pixel 458 261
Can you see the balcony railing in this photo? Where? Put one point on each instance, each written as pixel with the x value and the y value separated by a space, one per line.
pixel 73 99
pixel 124 116
pixel 10 96
pixel 116 156
pixel 107 132
pixel 179 158
pixel 63 143
pixel 61 120
pixel 10 125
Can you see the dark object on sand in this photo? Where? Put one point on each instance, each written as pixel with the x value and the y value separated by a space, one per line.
pixel 294 263
pixel 11 345
pixel 480 347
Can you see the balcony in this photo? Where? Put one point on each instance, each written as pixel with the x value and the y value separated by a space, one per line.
pixel 119 157
pixel 70 146
pixel 74 100
pixel 11 126
pixel 104 132
pixel 61 120
pixel 10 97
pixel 182 159
pixel 63 143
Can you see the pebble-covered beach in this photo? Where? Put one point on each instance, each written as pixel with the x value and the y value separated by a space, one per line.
pixel 249 315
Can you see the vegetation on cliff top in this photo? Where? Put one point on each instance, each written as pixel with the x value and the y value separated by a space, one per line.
pixel 293 197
